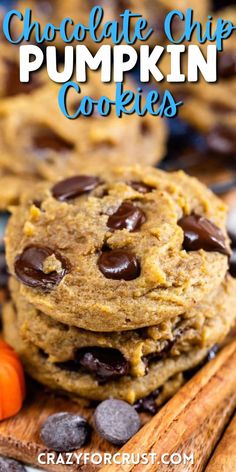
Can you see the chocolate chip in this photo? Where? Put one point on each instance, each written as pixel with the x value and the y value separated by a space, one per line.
pixel 231 225
pixel 222 108
pixel 74 187
pixel 37 203
pixel 232 266
pixel 227 64
pixel 148 404
pixel 45 138
pixel 65 432
pixel 222 140
pixel 30 264
pixel 210 355
pixel 128 216
pixel 119 264
pixel 219 4
pixel 163 354
pixel 116 421
pixel 3 271
pixel 10 465
pixel 201 233
pixel 141 187
pixel 13 84
pixel 105 363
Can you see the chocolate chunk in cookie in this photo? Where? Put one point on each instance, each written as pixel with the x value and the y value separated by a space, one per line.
pixel 227 64
pixel 119 264
pixel 128 216
pixel 141 187
pixel 148 404
pixel 201 233
pixel 74 187
pixel 222 140
pixel 41 267
pixel 45 138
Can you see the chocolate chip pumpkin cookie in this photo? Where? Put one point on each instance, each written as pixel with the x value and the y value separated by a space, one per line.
pixel 164 375
pixel 130 352
pixel 118 252
pixel 50 146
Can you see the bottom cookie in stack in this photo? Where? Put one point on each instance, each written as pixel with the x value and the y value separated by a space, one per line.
pixel 148 363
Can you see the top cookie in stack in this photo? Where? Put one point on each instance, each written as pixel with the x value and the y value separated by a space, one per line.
pixel 121 278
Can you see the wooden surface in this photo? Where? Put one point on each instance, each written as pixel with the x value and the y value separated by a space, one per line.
pixel 191 422
pixel 19 436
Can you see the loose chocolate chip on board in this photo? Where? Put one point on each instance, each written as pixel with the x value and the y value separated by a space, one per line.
pixel 128 216
pixel 222 140
pixel 65 432
pixel 116 421
pixel 29 268
pixel 10 465
pixel 201 233
pixel 105 363
pixel 141 187
pixel 119 264
pixel 227 64
pixel 74 187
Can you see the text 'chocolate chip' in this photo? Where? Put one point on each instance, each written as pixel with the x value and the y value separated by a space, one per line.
pixel 128 216
pixel 74 187
pixel 64 432
pixel 29 267
pixel 116 421
pixel 119 264
pixel 201 233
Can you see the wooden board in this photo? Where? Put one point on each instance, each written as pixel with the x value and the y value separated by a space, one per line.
pixel 192 421
pixel 19 436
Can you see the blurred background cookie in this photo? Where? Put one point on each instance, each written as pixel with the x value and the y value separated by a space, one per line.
pixel 50 146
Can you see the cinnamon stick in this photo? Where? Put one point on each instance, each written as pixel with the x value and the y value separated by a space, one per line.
pixel 224 458
pixel 191 422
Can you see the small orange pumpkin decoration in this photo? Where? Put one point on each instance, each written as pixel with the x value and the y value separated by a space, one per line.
pixel 12 382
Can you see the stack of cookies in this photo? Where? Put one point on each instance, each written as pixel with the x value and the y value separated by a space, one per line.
pixel 119 283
